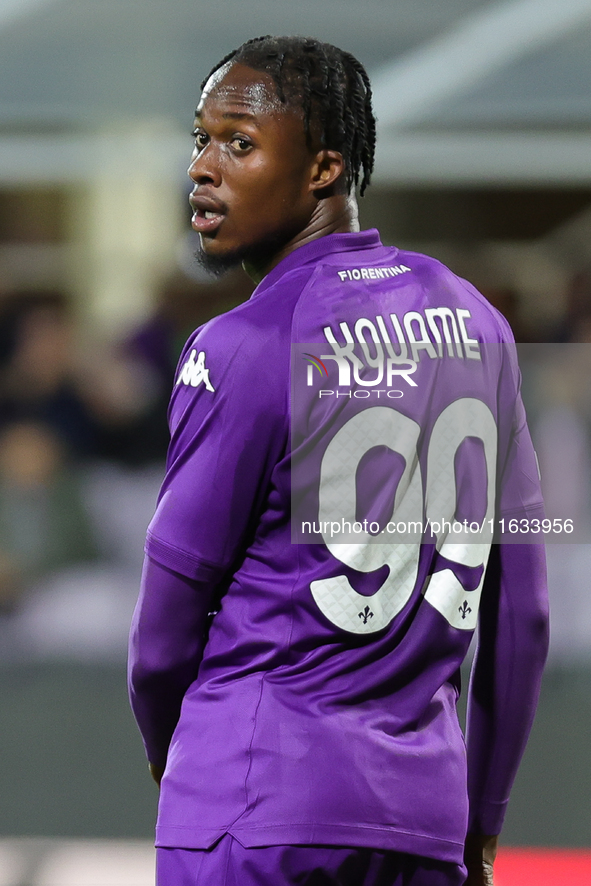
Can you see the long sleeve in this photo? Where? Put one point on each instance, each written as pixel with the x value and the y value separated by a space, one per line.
pixel 506 678
pixel 229 428
pixel 168 635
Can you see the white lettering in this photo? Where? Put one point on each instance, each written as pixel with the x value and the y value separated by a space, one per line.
pixel 376 361
pixel 470 344
pixel 403 355
pixel 447 319
pixel 405 373
pixel 342 354
pixel 372 273
pixel 422 343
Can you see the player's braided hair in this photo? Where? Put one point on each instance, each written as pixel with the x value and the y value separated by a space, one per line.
pixel 331 87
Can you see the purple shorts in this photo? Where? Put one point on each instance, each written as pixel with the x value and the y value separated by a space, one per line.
pixel 228 863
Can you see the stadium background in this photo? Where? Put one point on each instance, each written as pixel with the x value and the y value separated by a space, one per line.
pixel 484 161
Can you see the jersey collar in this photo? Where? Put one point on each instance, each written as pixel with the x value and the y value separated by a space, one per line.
pixel 316 249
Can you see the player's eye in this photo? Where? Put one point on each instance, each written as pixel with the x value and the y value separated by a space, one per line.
pixel 201 139
pixel 240 145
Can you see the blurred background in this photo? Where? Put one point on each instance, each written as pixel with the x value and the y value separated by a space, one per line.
pixel 484 161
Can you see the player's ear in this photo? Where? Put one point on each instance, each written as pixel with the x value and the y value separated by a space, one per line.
pixel 327 168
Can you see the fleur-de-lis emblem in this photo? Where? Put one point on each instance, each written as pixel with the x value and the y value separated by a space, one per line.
pixel 464 609
pixel 366 615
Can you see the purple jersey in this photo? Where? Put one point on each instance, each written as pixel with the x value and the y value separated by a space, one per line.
pixel 322 708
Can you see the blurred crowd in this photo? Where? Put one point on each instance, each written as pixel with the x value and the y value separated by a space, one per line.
pixel 83 438
pixel 556 368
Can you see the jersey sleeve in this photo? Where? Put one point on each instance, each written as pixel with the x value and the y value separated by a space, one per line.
pixel 519 489
pixel 164 652
pixel 229 427
pixel 512 626
pixel 506 678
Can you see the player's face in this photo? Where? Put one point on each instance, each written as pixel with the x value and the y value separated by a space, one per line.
pixel 251 167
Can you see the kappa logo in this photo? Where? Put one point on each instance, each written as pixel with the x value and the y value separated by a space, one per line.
pixel 194 371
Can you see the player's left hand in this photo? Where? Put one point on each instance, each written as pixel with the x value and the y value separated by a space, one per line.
pixel 479 857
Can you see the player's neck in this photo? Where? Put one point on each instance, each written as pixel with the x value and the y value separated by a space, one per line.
pixel 337 214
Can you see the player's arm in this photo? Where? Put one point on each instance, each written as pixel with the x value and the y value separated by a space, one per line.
pixel 167 638
pixel 228 429
pixel 504 690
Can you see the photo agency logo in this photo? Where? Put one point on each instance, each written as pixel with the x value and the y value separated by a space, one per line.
pixel 361 373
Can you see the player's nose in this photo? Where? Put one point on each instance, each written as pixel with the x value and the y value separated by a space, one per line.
pixel 204 168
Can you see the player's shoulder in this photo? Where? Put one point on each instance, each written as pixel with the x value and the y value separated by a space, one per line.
pixel 443 284
pixel 249 342
pixel 260 322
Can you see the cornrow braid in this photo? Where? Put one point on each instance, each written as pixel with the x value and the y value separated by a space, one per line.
pixel 330 86
pixel 233 54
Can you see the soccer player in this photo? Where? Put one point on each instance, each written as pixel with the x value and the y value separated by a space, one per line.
pixel 310 586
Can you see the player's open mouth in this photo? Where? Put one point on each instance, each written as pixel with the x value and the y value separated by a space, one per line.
pixel 206 221
pixel 208 212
